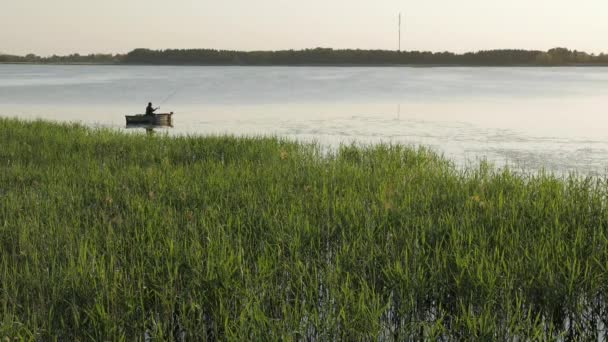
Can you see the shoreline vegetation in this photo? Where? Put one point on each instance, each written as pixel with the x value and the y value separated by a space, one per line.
pixel 323 57
pixel 112 236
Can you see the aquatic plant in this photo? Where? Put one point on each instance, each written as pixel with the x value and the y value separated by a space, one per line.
pixel 113 236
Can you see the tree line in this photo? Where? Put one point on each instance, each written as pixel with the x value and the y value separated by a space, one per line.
pixel 325 56
pixel 75 58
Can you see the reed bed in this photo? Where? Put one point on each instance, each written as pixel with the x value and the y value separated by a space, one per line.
pixel 113 236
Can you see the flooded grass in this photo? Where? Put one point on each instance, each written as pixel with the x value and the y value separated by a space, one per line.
pixel 112 236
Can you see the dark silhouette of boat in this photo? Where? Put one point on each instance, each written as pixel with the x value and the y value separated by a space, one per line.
pixel 161 119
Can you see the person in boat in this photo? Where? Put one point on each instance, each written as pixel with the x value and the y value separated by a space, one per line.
pixel 150 110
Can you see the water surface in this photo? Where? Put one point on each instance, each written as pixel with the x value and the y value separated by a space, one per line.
pixel 530 118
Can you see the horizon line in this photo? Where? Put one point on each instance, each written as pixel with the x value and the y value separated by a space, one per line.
pixel 293 49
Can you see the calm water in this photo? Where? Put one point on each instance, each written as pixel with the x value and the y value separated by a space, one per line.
pixel 530 118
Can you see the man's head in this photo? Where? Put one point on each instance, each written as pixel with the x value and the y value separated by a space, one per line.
pixel 150 104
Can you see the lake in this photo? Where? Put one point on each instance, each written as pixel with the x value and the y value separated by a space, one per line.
pixel 526 118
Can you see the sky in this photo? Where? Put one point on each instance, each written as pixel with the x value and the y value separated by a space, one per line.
pixel 46 27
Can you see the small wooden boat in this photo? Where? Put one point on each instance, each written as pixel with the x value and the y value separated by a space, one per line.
pixel 161 119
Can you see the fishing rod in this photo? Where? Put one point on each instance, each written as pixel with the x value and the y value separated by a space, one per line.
pixel 167 98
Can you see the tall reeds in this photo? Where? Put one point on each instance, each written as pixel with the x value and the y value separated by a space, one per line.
pixel 112 236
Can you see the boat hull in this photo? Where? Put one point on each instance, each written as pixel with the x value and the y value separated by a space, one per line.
pixel 164 119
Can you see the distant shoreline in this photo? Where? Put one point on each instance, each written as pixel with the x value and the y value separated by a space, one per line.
pixel 376 65
pixel 325 57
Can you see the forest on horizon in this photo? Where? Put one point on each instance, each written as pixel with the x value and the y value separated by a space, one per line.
pixel 323 56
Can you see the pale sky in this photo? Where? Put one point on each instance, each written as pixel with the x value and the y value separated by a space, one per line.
pixel 49 27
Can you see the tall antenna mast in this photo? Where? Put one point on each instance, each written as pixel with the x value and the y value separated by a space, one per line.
pixel 399 32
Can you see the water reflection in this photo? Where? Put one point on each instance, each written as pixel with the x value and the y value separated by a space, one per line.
pixel 150 129
pixel 550 118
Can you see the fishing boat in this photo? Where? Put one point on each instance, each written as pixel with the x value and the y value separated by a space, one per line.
pixel 161 119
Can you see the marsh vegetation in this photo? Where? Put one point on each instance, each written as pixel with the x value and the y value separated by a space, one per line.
pixel 113 236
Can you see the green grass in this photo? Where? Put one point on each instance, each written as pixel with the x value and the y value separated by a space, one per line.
pixel 112 236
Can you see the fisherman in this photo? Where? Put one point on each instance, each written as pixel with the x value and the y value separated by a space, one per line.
pixel 150 110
